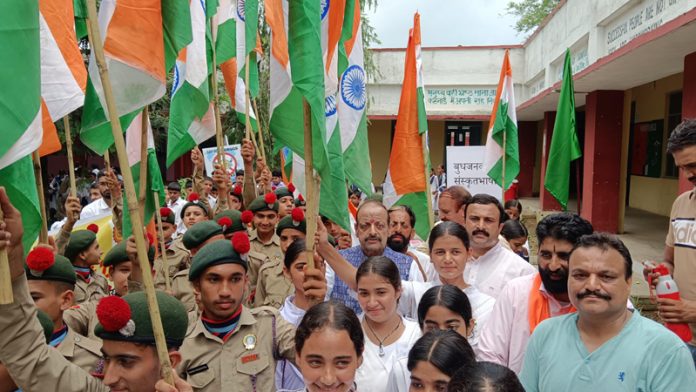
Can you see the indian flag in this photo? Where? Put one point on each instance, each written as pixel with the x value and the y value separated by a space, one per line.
pixel 405 182
pixel 191 117
pixel 247 29
pixel 153 182
pixel 226 56
pixel 352 101
pixel 297 42
pixel 502 134
pixel 133 39
pixel 63 73
pixel 20 109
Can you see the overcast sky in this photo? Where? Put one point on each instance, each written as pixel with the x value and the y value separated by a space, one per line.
pixel 444 22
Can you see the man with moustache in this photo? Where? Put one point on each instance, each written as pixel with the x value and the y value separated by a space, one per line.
pixel 604 346
pixel 372 229
pixel 402 221
pixel 491 265
pixel 528 300
pixel 680 245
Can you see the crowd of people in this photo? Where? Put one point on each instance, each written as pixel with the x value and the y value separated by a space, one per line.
pixel 245 307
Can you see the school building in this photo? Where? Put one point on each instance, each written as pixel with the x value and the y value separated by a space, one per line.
pixel 634 65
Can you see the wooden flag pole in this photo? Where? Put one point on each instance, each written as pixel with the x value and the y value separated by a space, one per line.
pixel 163 248
pixel 43 234
pixel 219 137
pixel 137 223
pixel 142 183
pixel 258 121
pixel 310 196
pixel 247 120
pixel 6 296
pixel 428 192
pixel 71 161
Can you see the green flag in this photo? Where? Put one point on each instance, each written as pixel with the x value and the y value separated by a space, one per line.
pixel 565 146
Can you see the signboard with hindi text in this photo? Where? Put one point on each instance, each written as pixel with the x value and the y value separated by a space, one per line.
pixel 465 168
pixel 233 156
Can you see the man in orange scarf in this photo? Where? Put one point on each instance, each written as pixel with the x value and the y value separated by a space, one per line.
pixel 528 300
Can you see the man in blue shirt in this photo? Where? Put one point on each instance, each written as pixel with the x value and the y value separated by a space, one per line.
pixel 604 346
pixel 372 229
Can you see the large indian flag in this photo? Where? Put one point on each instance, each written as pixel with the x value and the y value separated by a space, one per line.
pixel 63 73
pixel 405 182
pixel 153 181
pixel 352 101
pixel 191 119
pixel 502 134
pixel 20 109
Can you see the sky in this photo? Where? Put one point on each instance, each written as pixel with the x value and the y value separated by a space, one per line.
pixel 444 22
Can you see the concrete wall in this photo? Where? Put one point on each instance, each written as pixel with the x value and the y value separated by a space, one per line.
pixel 654 195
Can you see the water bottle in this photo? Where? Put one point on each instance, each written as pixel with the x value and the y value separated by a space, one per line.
pixel 667 288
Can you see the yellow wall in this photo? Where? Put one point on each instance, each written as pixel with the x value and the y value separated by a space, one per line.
pixel 379 139
pixel 654 195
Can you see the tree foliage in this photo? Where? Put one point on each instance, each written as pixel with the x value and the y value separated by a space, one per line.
pixel 530 13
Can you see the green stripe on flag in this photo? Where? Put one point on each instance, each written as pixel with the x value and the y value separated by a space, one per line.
pixel 333 202
pixel 176 19
pixel 505 126
pixel 422 116
pixel 152 184
pixel 18 180
pixel 419 205
pixel 187 104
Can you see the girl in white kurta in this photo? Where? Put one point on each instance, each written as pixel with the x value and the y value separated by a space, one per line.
pixel 389 336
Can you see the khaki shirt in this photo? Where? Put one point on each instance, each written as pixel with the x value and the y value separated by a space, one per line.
pixel 272 287
pixel 260 254
pixel 34 365
pixel 182 289
pixel 178 259
pixel 82 319
pixel 97 288
pixel 208 364
pixel 81 351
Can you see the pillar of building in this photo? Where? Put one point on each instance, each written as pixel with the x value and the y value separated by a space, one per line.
pixel 546 201
pixel 688 106
pixel 527 135
pixel 602 159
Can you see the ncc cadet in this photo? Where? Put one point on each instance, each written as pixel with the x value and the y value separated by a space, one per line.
pixel 178 257
pixel 273 287
pixel 286 200
pixel 83 252
pixel 232 347
pixel 126 278
pixel 265 244
pixel 131 361
pixel 51 280
pixel 168 225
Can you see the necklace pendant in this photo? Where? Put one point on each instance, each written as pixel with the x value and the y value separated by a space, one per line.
pixel 381 350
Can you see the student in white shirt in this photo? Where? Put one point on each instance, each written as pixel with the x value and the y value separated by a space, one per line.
pixel 287 376
pixel 442 307
pixel 435 358
pixel 329 343
pixel 388 335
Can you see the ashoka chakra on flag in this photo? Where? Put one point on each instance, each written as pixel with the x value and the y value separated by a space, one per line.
pixel 353 90
pixel 330 108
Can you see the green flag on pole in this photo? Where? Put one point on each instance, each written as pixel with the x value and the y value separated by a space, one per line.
pixel 565 146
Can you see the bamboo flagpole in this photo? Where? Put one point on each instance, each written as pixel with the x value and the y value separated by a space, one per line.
pixel 258 121
pixel 247 120
pixel 71 161
pixel 219 137
pixel 504 159
pixel 6 296
pixel 43 233
pixel 163 248
pixel 142 183
pixel 137 223
pixel 428 192
pixel 310 184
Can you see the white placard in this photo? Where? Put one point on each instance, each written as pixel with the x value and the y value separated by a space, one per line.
pixel 233 155
pixel 465 168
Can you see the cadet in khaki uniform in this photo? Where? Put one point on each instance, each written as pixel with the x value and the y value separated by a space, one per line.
pixel 272 286
pixel 83 252
pixel 265 244
pixel 234 348
pixel 178 256
pixel 286 200
pixel 36 367
pixel 51 281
